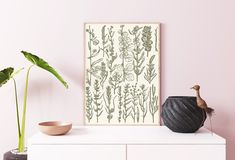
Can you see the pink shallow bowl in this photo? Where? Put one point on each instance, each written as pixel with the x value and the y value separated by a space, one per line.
pixel 54 128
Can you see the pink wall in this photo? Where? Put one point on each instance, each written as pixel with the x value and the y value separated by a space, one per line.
pixel 197 46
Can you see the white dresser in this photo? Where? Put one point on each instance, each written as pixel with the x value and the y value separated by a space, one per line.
pixel 127 143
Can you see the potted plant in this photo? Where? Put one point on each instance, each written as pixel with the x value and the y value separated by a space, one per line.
pixel 9 74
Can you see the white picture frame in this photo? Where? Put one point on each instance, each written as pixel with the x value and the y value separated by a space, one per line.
pixel 122 74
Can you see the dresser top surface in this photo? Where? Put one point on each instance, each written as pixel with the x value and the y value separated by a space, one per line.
pixel 127 135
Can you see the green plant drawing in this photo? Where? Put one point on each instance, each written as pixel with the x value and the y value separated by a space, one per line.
pixel 149 76
pixel 107 99
pixel 115 80
pixel 143 96
pixel 89 106
pixel 104 38
pixel 126 101
pixel 156 39
pixel 146 39
pixel 127 75
pixel 120 103
pixel 150 73
pixel 121 71
pixel 97 71
pixel 112 56
pixel 127 58
pixel 138 54
pixel 98 109
pixel 153 107
pixel 101 73
pixel 93 52
pixel 134 106
pixel 96 68
pixel 138 114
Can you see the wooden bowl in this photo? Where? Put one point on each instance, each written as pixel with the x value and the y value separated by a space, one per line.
pixel 55 128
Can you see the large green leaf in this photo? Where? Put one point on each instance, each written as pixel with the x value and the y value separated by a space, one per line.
pixel 5 75
pixel 43 64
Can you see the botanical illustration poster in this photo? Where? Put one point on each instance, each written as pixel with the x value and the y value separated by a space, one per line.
pixel 122 67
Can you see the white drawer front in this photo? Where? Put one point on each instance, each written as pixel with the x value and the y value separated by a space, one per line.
pixel 176 152
pixel 77 152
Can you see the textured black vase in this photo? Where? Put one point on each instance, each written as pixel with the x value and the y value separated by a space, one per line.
pixel 14 155
pixel 181 114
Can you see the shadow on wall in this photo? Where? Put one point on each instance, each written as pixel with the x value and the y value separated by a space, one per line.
pixel 221 122
pixel 74 74
pixel 37 87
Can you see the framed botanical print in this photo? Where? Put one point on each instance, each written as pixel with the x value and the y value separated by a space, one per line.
pixel 122 74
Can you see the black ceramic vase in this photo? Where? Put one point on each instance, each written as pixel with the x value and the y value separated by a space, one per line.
pixel 14 155
pixel 181 114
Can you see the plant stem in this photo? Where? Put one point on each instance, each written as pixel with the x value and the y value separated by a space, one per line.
pixel 17 109
pixel 90 54
pixel 21 140
pixel 150 101
pixel 123 68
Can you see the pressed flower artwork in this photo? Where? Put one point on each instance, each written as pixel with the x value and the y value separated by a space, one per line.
pixel 122 73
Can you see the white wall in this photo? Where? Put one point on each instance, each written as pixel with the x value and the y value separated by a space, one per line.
pixel 197 47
